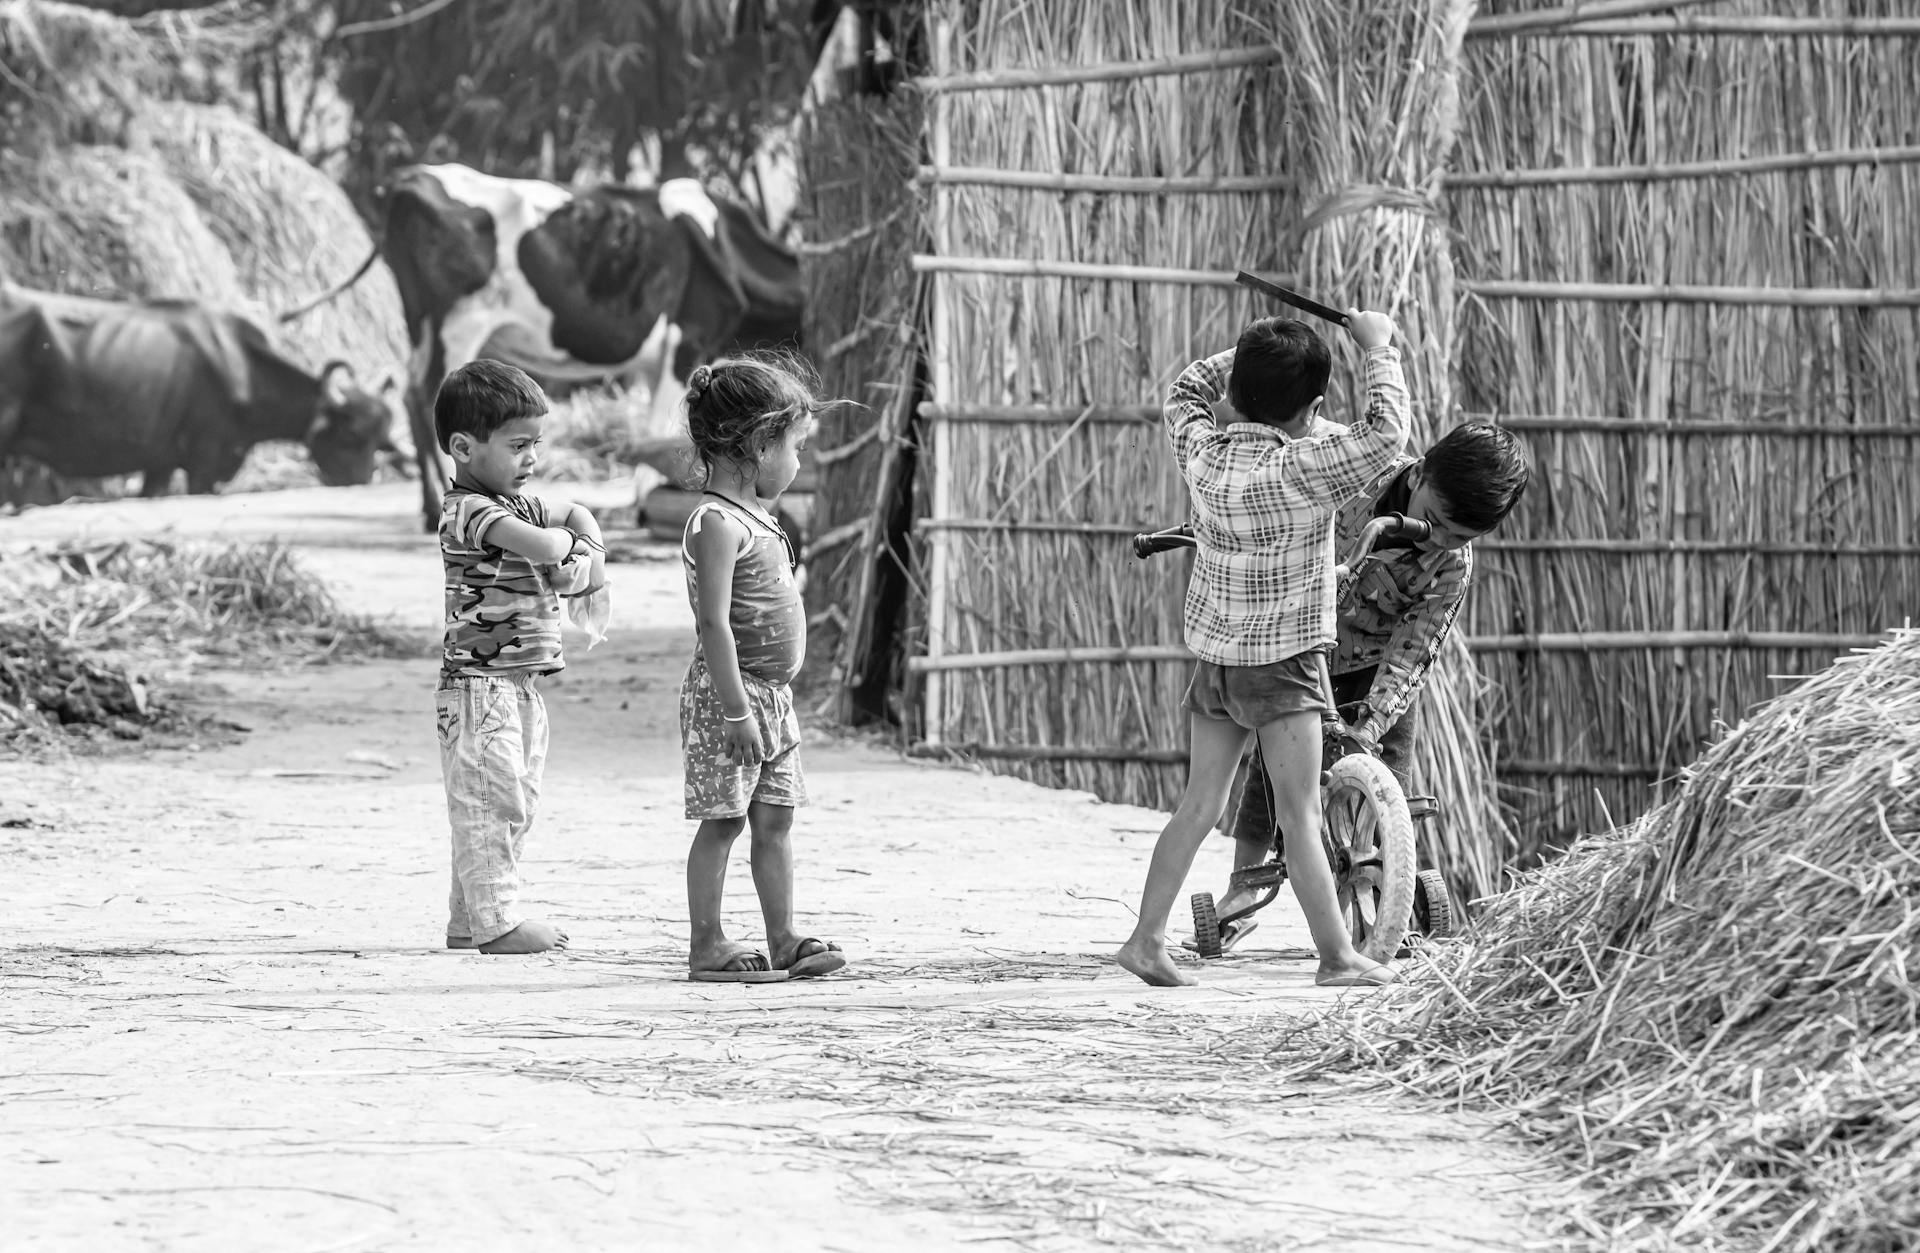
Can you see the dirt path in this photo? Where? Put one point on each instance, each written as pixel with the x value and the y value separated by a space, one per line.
pixel 226 1023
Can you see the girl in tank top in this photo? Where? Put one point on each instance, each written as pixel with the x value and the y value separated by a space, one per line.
pixel 749 418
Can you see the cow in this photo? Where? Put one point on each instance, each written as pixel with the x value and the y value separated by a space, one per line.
pixel 94 387
pixel 616 282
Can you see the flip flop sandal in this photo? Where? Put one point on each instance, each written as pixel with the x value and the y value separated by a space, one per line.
pixel 1230 935
pixel 749 975
pixel 826 961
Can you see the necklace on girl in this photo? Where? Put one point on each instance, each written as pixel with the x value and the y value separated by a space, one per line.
pixel 770 525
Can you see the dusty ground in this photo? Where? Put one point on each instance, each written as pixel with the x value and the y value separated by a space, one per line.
pixel 227 1022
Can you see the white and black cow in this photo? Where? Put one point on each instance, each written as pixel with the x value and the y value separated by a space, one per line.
pixel 616 282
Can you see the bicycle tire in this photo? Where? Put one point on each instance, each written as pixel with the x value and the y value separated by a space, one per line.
pixel 1368 835
pixel 1433 912
pixel 1206 925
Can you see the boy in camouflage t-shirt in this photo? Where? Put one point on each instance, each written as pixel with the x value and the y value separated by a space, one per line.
pixel 509 559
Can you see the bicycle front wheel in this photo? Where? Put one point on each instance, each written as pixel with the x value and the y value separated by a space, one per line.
pixel 1368 835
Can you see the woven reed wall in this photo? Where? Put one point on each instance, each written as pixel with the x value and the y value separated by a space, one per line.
pixel 1088 211
pixel 861 215
pixel 1753 474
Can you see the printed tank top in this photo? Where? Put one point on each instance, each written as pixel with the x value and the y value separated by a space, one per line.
pixel 769 623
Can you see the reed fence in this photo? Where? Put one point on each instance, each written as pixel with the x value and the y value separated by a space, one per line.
pixel 863 216
pixel 1095 176
pixel 1689 239
pixel 1680 264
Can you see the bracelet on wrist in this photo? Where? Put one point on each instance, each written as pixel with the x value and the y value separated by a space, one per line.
pixel 742 718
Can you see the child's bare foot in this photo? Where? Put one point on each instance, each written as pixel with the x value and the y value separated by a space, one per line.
pixel 531 936
pixel 728 961
pixel 807 956
pixel 727 955
pixel 1360 974
pixel 460 941
pixel 1152 964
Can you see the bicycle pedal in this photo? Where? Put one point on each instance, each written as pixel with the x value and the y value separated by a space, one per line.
pixel 1265 875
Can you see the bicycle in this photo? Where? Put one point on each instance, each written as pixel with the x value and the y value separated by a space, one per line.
pixel 1367 825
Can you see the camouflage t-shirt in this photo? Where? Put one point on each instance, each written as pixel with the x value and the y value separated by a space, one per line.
pixel 503 616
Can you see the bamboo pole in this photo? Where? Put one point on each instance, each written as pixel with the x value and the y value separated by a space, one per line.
pixel 1024 267
pixel 1045 180
pixel 1806 548
pixel 1557 23
pixel 1006 524
pixel 1676 170
pixel 1552 21
pixel 1787 27
pixel 935 411
pixel 1576 642
pixel 942 379
pixel 1683 293
pixel 1006 659
pixel 1051 752
pixel 1569 423
pixel 1615 641
pixel 1521 289
pixel 1106 72
pixel 1575 423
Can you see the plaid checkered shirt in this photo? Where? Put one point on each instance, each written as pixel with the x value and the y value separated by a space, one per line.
pixel 1263 507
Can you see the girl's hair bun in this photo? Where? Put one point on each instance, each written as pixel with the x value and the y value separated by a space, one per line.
pixel 698 382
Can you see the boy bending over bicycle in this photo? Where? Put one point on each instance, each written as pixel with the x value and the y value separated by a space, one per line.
pixel 1396 619
pixel 1264 489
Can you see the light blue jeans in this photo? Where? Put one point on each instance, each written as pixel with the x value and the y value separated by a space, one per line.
pixel 493 751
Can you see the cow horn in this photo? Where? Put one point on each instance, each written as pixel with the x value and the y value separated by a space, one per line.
pixel 308 306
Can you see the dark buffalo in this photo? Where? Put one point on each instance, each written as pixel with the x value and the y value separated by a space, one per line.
pixel 617 282
pixel 97 387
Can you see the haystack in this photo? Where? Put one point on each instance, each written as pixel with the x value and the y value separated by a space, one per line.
pixel 109 189
pixel 291 232
pixel 97 220
pixel 1713 1012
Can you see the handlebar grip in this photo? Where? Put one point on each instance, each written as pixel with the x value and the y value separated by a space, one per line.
pixel 1419 530
pixel 1152 542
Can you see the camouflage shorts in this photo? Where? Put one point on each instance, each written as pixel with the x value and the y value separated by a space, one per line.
pixel 718 787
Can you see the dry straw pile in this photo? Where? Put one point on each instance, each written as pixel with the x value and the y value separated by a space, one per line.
pixel 81 625
pixel 1713 1012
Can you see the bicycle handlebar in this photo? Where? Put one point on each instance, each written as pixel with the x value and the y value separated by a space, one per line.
pixel 1161 541
pixel 1392 526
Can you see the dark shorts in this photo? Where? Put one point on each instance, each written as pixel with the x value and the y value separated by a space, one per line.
pixel 1250 811
pixel 1253 696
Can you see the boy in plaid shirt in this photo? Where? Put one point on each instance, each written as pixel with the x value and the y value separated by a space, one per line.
pixel 1259 611
pixel 1402 609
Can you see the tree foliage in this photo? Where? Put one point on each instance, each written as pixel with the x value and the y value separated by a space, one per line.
pixel 552 87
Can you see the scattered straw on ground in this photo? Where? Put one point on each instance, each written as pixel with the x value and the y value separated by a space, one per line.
pixel 83 625
pixel 1713 1012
